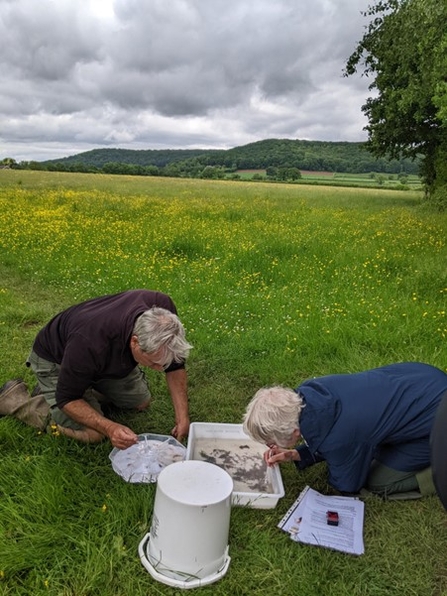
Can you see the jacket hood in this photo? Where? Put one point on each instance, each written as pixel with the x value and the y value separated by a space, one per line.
pixel 320 413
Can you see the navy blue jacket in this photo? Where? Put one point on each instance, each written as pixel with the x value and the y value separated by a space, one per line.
pixel 385 414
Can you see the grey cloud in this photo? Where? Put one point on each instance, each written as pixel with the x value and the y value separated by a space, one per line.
pixel 218 72
pixel 45 40
pixel 196 55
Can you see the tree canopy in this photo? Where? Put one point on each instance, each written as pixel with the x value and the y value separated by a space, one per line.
pixel 404 49
pixel 270 153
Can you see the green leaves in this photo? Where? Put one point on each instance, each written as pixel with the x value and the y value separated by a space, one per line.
pixel 405 50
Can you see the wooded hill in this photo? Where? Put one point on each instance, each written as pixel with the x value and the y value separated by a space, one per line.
pixel 273 153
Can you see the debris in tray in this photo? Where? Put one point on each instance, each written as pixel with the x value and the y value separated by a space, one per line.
pixel 242 460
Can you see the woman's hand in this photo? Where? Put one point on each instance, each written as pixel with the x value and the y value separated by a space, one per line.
pixel 277 455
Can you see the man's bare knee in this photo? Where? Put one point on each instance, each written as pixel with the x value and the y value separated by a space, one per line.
pixel 87 435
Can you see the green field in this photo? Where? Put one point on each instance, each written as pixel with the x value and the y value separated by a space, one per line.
pixel 368 180
pixel 274 283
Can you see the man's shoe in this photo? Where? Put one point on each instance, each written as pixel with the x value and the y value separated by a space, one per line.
pixel 36 391
pixel 408 496
pixel 16 401
pixel 9 385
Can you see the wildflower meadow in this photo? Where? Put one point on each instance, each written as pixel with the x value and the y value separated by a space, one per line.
pixel 274 283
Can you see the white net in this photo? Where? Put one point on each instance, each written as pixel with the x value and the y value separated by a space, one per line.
pixel 144 461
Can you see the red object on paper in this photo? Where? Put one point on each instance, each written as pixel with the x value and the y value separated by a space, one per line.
pixel 332 518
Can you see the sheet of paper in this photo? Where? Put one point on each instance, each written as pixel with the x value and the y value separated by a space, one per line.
pixel 292 519
pixel 306 522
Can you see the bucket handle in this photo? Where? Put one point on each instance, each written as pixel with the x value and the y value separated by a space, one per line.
pixel 178 583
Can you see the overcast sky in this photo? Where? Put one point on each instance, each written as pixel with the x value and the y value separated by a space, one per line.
pixel 77 75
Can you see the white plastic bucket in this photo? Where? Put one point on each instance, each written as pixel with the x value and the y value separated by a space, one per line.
pixel 187 545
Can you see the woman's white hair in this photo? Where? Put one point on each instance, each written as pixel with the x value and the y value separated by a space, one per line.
pixel 160 329
pixel 272 415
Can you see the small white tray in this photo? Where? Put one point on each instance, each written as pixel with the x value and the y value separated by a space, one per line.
pixel 143 462
pixel 256 485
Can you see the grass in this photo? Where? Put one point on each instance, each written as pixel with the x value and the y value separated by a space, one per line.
pixel 390 181
pixel 361 180
pixel 274 283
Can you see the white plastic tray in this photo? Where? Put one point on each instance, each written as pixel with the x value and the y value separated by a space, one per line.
pixel 143 462
pixel 226 445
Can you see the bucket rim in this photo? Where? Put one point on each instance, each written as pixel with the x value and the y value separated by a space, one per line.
pixel 186 584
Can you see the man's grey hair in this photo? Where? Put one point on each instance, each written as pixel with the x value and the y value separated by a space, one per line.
pixel 158 328
pixel 272 415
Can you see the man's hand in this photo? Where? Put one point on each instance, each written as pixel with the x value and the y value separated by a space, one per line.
pixel 276 455
pixel 121 436
pixel 181 430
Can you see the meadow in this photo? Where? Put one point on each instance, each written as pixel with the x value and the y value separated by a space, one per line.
pixel 362 180
pixel 274 283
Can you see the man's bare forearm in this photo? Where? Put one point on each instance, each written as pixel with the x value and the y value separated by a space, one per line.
pixel 83 413
pixel 177 381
